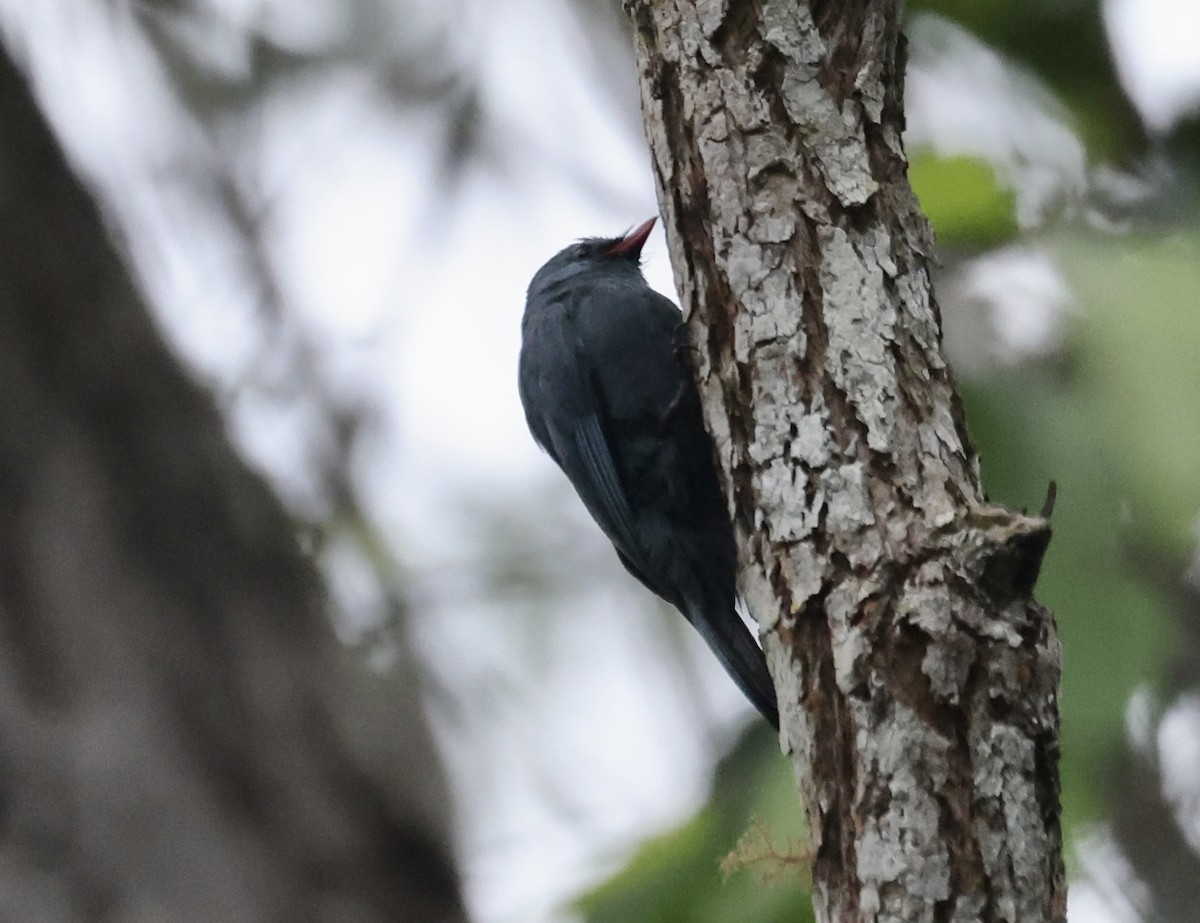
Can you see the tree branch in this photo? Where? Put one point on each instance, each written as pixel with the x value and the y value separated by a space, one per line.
pixel 917 677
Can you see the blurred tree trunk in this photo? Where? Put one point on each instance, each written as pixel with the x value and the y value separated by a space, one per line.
pixel 1160 877
pixel 180 736
pixel 917 677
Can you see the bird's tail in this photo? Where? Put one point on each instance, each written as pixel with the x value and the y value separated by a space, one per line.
pixel 729 638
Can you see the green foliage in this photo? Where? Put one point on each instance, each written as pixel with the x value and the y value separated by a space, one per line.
pixel 1139 364
pixel 962 199
pixel 676 878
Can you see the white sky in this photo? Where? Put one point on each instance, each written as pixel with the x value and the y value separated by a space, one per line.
pixel 418 307
pixel 1156 44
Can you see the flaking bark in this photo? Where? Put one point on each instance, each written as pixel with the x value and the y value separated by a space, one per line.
pixel 917 677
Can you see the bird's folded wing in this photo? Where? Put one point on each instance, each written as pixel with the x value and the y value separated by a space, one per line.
pixel 604 489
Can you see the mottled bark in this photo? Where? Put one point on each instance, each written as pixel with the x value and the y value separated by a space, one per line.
pixel 917 677
pixel 180 736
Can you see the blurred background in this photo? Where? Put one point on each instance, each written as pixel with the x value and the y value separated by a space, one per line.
pixel 333 208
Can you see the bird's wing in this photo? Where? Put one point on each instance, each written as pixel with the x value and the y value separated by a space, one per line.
pixel 565 411
pixel 600 470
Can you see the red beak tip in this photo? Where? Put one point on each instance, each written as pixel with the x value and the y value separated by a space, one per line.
pixel 635 239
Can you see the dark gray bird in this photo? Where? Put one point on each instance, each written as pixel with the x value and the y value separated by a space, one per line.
pixel 608 393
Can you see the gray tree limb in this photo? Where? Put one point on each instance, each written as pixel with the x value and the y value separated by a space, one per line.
pixel 181 737
pixel 917 677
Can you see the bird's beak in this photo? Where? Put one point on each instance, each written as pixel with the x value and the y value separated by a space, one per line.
pixel 631 244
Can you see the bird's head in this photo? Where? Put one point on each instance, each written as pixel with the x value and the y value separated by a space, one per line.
pixel 591 254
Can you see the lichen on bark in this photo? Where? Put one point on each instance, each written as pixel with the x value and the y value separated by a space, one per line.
pixel 917 677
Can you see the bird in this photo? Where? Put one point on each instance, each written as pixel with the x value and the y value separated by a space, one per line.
pixel 605 380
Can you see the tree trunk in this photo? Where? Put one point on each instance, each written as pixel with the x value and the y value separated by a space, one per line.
pixel 179 739
pixel 917 678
